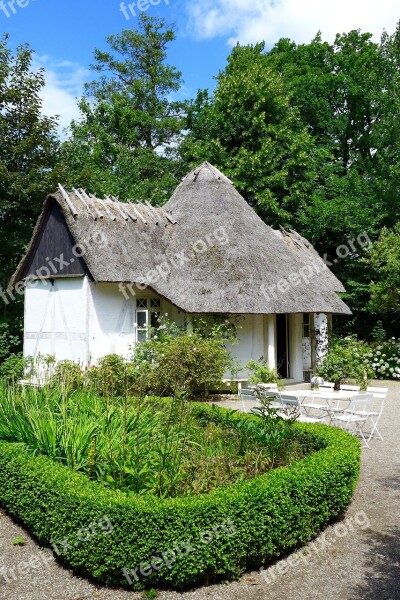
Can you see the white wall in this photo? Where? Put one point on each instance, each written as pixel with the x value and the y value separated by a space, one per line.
pixel 82 321
pixel 251 341
pixel 112 318
pixel 56 319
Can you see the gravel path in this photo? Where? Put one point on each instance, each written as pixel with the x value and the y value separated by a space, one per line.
pixel 358 558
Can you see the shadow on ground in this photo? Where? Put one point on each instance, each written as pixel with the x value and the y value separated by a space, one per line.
pixel 382 567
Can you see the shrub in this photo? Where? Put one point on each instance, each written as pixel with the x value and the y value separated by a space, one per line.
pixel 67 375
pixel 110 377
pixel 175 361
pixel 105 533
pixel 262 373
pixel 14 367
pixel 346 360
pixel 384 359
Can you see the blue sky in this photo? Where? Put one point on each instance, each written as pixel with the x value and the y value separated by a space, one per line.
pixel 64 33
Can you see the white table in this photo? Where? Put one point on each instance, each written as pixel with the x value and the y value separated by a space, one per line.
pixel 330 396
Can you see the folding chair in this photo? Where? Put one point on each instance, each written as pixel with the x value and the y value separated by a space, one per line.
pixel 327 385
pixel 354 417
pixel 268 386
pixel 349 388
pixel 378 393
pixel 293 403
pixel 247 394
pixel 315 404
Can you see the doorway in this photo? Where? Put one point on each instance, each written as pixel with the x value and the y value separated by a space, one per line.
pixel 282 345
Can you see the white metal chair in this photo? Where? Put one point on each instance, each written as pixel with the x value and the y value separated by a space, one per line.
pixel 379 395
pixel 354 417
pixel 349 388
pixel 378 392
pixel 327 385
pixel 267 386
pixel 316 403
pixel 293 404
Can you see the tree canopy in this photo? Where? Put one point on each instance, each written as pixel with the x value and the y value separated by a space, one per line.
pixel 28 159
pixel 129 127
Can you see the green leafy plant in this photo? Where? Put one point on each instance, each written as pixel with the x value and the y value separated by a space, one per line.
pixel 347 360
pixel 254 521
pixel 175 360
pixel 262 373
pixel 110 377
pixel 13 368
pixel 67 375
pixel 19 541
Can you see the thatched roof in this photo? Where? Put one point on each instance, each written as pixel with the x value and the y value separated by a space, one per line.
pixel 206 250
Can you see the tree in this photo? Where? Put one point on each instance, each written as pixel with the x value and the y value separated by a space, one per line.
pixel 249 130
pixel 125 142
pixel 347 96
pixel 28 157
pixel 384 261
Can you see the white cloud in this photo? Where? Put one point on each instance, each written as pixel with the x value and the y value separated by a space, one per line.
pixel 257 20
pixel 64 85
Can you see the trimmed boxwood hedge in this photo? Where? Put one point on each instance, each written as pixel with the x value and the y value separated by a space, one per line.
pixel 202 538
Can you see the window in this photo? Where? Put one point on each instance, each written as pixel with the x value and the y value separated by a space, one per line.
pixel 148 311
pixel 142 325
pixel 306 325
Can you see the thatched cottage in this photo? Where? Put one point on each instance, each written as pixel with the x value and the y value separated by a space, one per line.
pixel 97 273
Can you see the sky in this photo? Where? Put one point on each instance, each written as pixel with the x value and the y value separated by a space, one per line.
pixel 64 33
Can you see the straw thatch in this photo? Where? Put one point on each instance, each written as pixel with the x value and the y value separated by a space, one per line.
pixel 206 250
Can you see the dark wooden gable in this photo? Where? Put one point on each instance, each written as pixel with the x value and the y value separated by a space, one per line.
pixel 52 255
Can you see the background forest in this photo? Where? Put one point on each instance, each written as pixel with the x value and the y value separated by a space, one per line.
pixel 309 134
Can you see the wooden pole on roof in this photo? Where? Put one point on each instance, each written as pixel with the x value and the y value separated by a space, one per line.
pixel 68 200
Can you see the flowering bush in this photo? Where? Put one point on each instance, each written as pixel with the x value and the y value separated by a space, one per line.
pixel 348 358
pixel 384 359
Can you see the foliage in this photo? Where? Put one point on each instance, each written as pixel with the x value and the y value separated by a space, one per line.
pixel 250 523
pixel 146 446
pixel 378 333
pixel 28 158
pixel 175 360
pixel 129 123
pixel 262 373
pixel 346 360
pixel 384 359
pixel 384 260
pixel 14 367
pixel 110 377
pixel 262 146
pixel 67 375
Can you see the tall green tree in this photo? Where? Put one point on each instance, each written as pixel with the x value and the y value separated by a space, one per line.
pixel 248 129
pixel 124 143
pixel 384 269
pixel 347 97
pixel 28 157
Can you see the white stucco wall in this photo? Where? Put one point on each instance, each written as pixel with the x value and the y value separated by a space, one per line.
pixel 56 319
pixel 82 321
pixel 112 318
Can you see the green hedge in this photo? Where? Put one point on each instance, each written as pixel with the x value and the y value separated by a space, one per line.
pixel 190 540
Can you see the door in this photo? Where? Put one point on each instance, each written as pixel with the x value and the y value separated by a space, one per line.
pixel 282 345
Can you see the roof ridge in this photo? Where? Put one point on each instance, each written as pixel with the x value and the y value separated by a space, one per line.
pixel 113 208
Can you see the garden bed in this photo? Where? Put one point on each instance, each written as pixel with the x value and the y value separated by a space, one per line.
pixel 143 541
